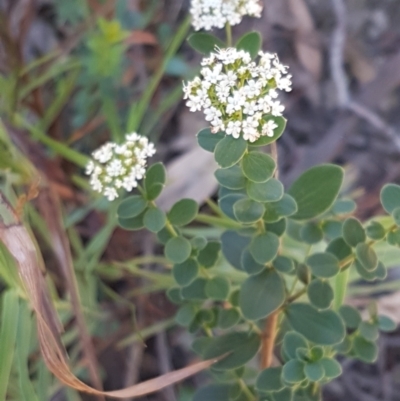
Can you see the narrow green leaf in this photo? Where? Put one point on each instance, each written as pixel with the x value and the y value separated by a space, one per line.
pixel 262 294
pixel 320 327
pixel 8 334
pixel 204 43
pixel 258 166
pixel 250 42
pixel 229 151
pixel 316 190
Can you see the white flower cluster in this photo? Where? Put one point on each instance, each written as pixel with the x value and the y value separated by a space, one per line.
pixel 207 14
pixel 235 93
pixel 117 166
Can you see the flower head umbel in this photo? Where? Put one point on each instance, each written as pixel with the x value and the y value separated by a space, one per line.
pixel 236 93
pixel 115 166
pixel 208 14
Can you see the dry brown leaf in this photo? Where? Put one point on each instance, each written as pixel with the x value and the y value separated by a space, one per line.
pixel 19 243
pixel 306 38
pixel 141 38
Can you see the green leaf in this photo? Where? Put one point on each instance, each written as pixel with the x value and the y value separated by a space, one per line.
pixel 320 294
pixel 316 353
pixel 242 347
pixel 343 206
pixel 184 273
pixel 208 141
pixel 393 237
pixel 293 341
pixel 367 257
pixel 264 247
pixel 331 367
pixel 8 335
pixel 353 232
pixel 131 207
pixel 369 331
pixel 303 273
pixel 379 273
pixel 132 223
pixel 278 131
pixel 376 231
pixel 285 207
pixel 314 371
pixel 390 197
pixel 258 167
pixel 229 151
pixel 339 248
pixel 213 392
pixel 269 191
pixel 154 181
pixel 231 178
pixel 323 265
pixel 286 394
pixel 174 295
pixel 332 228
pixel 365 350
pixel 351 316
pixel 227 318
pixel 386 324
pixel 345 346
pixel 178 249
pixel 270 380
pixel 396 216
pixel 218 288
pixel 278 227
pixel 226 204
pixel 250 265
pixel 204 43
pixel 186 315
pixel 154 219
pixel 293 371
pixel 320 327
pixel 198 243
pixel 262 294
pixel 183 212
pixel 233 245
pixel 283 264
pixel 250 42
pixel 316 190
pixel 248 211
pixel 311 233
pixel 195 290
pixel 208 256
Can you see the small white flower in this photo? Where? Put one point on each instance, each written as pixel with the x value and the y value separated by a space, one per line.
pixel 268 128
pixel 234 92
pixel 115 166
pixel 208 14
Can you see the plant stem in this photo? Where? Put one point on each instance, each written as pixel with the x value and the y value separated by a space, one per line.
pixel 268 341
pixel 228 30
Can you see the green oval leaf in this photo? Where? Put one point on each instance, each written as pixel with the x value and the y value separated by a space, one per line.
pixel 293 371
pixel 262 294
pixel 183 212
pixel 269 191
pixel 204 43
pixel 331 367
pixel 278 131
pixel 324 265
pixel 270 380
pixel 218 288
pixel 264 247
pixel 196 290
pixel 228 318
pixel 226 204
pixel 316 190
pixel 208 141
pixel 178 249
pixel 351 316
pixel 390 197
pixel 367 257
pixel 154 181
pixel 250 265
pixel 230 151
pixel 241 348
pixel 353 232
pixel 386 324
pixel 314 371
pixel 131 207
pixel 250 42
pixel 258 166
pixel 154 219
pixel 285 207
pixel 208 256
pixel 376 231
pixel 369 330
pixel 231 178
pixel 365 350
pixel 320 294
pixel 184 273
pixel 283 264
pixel 132 223
pixel 233 245
pixel 311 233
pixel 293 341
pixel 320 327
pixel 248 211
